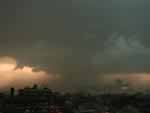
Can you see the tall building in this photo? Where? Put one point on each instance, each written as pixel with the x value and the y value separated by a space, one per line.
pixel 12 92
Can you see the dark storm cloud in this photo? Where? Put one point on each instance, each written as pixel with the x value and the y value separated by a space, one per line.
pixel 78 39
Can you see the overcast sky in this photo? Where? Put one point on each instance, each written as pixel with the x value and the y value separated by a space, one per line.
pixel 80 40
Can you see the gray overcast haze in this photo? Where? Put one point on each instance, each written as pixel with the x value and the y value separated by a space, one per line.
pixel 81 40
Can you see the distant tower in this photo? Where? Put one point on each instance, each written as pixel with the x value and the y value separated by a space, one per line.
pixel 12 92
pixel 35 86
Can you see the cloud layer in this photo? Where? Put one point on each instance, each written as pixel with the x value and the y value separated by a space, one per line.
pixel 10 76
pixel 78 40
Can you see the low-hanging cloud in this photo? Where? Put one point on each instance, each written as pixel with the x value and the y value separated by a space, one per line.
pixel 10 76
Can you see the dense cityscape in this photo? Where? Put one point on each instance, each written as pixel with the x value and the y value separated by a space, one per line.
pixel 43 100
